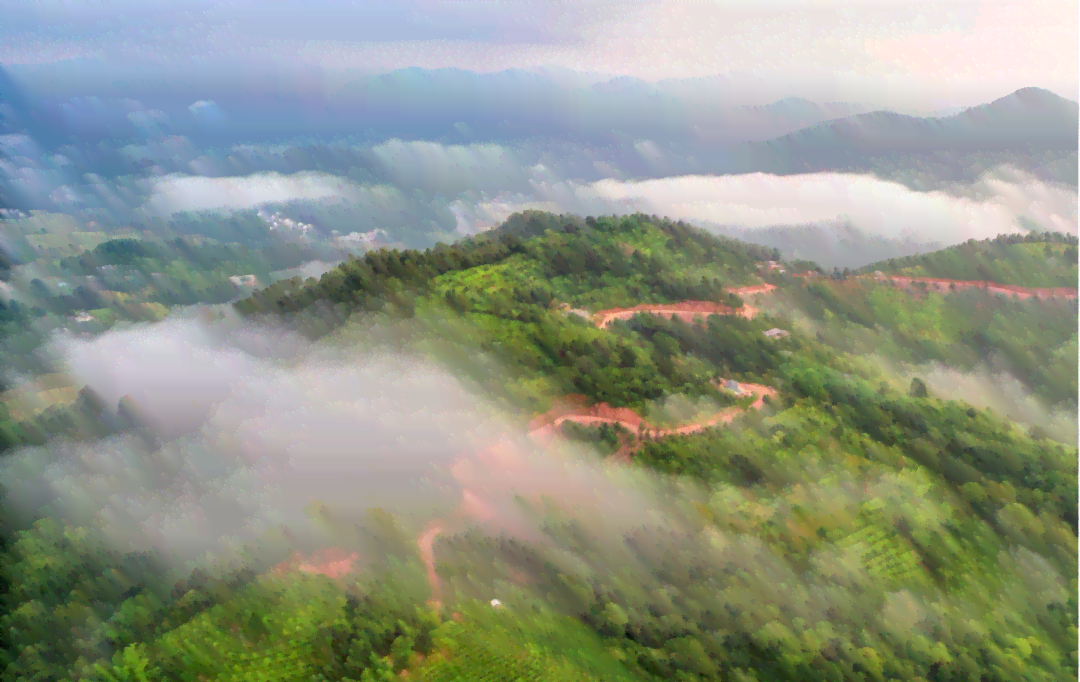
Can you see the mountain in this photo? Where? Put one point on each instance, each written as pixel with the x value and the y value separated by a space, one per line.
pixel 1030 121
pixel 411 103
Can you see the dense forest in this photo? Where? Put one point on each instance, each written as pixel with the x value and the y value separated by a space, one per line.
pixel 847 530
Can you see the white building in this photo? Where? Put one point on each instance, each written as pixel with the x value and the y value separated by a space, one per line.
pixel 775 333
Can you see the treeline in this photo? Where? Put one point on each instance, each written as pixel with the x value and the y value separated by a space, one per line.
pixel 200 254
pixel 135 267
pixel 533 223
pixel 382 276
pixel 584 250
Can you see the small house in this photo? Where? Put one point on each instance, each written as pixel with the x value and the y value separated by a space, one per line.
pixel 775 333
pixel 732 385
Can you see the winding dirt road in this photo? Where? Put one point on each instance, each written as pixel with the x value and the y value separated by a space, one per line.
pixel 942 285
pixel 544 427
pixel 686 310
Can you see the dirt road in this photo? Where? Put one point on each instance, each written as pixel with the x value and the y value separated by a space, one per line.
pixel 685 310
pixel 938 284
pixel 544 429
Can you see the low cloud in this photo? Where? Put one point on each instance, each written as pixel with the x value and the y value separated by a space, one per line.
pixel 871 205
pixel 193 193
pixel 451 169
pixel 246 425
pixel 999 390
pixel 419 190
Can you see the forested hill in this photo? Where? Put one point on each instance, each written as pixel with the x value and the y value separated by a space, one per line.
pixel 855 527
pixel 605 262
pixel 1045 259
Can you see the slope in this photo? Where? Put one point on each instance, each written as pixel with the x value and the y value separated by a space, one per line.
pixel 1047 259
pixel 848 528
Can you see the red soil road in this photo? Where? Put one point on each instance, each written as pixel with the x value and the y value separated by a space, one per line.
pixel 603 413
pixel 628 419
pixel 332 562
pixel 426 544
pixel 544 428
pixel 1019 292
pixel 685 310
pixel 336 563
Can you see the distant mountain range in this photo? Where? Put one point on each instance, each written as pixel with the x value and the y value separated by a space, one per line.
pixel 62 131
pixel 1031 120
pixel 55 102
pixel 454 105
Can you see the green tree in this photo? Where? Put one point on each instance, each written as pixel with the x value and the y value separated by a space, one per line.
pixel 918 388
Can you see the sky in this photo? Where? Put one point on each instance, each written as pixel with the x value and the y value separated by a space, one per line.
pixel 894 53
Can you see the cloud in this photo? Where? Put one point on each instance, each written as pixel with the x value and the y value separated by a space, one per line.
pixel 874 206
pixel 1000 390
pixel 806 49
pixel 451 169
pixel 176 148
pixel 251 422
pixel 191 193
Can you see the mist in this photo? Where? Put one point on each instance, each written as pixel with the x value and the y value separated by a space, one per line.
pixel 242 426
pixel 997 389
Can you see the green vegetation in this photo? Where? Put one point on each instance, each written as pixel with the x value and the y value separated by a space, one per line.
pixel 1046 259
pixel 963 329
pixel 847 531
pixel 506 290
pixel 848 534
